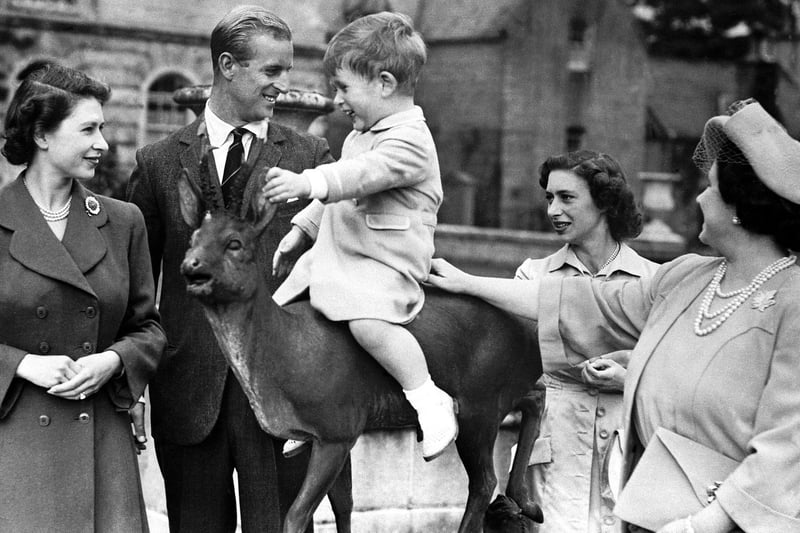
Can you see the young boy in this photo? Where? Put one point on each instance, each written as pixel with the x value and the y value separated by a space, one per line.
pixel 374 213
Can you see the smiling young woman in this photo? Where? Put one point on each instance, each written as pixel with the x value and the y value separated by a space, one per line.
pixel 592 208
pixel 80 342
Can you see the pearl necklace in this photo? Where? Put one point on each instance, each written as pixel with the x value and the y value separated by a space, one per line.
pixel 51 216
pixel 609 260
pixel 741 295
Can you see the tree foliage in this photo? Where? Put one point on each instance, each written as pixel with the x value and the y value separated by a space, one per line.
pixel 715 29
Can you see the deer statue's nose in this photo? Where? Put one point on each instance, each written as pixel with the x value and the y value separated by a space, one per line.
pixel 189 264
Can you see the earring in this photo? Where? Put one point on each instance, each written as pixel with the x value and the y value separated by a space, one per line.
pixel 736 221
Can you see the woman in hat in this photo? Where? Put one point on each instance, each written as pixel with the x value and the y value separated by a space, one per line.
pixel 80 336
pixel 715 344
pixel 592 209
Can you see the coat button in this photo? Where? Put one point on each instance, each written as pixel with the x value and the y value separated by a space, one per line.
pixel 44 420
pixel 601 411
pixel 91 312
pixel 592 392
pixel 41 311
pixel 83 418
pixel 44 348
pixel 609 520
pixel 87 347
pixel 603 434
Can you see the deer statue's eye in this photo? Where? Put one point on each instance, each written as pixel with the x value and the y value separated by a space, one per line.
pixel 234 244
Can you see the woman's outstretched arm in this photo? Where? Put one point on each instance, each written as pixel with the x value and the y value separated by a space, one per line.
pixel 520 297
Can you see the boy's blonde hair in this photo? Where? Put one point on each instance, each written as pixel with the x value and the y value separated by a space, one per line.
pixel 374 43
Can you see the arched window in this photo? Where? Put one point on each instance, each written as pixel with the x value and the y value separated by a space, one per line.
pixel 163 114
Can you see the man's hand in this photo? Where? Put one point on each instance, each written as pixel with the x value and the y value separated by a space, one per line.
pixel 283 185
pixel 289 249
pixel 137 420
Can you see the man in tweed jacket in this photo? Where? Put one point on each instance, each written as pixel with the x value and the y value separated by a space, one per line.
pixel 203 426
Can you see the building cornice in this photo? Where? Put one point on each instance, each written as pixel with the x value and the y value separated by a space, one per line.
pixel 15 22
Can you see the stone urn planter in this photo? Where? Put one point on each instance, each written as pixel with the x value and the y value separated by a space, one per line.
pixel 296 108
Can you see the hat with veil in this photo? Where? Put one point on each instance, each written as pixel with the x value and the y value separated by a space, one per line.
pixel 750 135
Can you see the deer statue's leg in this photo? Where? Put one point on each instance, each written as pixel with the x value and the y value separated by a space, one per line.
pixel 475 445
pixel 532 407
pixel 341 497
pixel 327 460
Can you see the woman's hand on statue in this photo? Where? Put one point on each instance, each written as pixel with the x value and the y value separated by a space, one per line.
pixel 93 372
pixel 445 276
pixel 289 249
pixel 47 370
pixel 605 374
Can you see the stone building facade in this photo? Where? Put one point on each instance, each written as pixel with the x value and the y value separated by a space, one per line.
pixel 507 82
pixel 511 82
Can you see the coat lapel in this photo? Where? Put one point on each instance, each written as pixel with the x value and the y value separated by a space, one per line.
pixel 35 246
pixel 83 239
pixel 264 155
pixel 675 303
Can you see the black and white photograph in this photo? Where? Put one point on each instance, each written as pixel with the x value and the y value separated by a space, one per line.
pixel 399 266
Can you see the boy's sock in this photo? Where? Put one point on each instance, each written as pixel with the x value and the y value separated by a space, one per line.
pixel 436 414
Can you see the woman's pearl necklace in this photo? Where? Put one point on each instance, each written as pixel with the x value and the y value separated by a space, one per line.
pixel 610 259
pixel 741 295
pixel 51 216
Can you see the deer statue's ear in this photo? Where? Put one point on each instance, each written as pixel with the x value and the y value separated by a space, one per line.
pixel 190 200
pixel 261 211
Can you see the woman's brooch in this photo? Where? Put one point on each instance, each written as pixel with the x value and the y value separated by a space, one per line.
pixel 92 205
pixel 763 299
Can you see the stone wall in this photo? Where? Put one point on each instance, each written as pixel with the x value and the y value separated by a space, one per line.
pixel 394 489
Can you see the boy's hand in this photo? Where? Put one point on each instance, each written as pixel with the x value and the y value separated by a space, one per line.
pixel 282 185
pixel 290 248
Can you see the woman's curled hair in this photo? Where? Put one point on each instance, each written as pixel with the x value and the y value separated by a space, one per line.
pixel 46 96
pixel 759 209
pixel 607 185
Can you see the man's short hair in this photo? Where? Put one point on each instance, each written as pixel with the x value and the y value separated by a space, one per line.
pixel 232 34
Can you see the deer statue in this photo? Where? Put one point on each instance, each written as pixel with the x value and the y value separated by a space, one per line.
pixel 306 378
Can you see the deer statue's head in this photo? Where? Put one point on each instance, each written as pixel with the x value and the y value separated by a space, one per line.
pixel 220 265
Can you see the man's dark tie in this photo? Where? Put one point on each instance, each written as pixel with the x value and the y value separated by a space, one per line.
pixel 232 163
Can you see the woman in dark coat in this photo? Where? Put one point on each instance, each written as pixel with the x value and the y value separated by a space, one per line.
pixel 79 331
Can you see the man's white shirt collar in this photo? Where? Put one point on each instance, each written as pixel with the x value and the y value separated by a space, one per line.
pixel 220 138
pixel 219 131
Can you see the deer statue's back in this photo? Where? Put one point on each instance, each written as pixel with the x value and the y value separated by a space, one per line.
pixel 307 378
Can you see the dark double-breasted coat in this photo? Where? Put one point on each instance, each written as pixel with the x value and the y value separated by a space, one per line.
pixel 68 465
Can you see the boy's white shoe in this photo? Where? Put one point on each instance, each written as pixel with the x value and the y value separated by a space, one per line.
pixel 293 447
pixel 436 412
pixel 439 426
